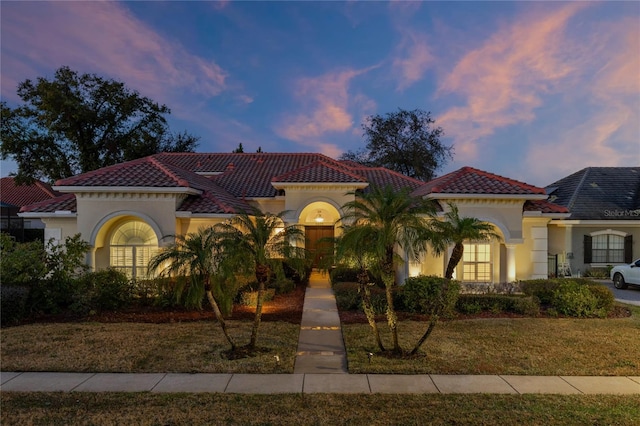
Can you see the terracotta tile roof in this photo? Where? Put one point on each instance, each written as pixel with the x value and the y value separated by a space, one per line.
pixel 599 193
pixel 543 206
pixel 66 202
pixel 22 195
pixel 379 176
pixel 320 171
pixel 468 180
pixel 143 172
pixel 249 174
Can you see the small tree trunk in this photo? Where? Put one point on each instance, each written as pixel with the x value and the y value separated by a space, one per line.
pixel 363 279
pixel 262 275
pixel 456 256
pixel 220 318
pixel 392 318
pixel 425 336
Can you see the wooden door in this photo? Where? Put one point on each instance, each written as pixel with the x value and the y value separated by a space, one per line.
pixel 318 249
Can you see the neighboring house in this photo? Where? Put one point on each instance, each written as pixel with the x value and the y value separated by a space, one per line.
pixel 130 210
pixel 13 197
pixel 604 222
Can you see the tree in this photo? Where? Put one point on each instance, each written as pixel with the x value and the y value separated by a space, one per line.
pixel 351 249
pixel 456 230
pixel 238 150
pixel 384 219
pixel 259 242
pixel 76 123
pixel 197 256
pixel 404 141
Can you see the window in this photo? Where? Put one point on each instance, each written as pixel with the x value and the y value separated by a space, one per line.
pixel 608 247
pixel 476 263
pixel 133 244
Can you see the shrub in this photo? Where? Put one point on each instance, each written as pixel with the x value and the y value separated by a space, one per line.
pixel 21 263
pixel 108 289
pixel 250 298
pixel 542 289
pixel 430 295
pixel 575 300
pixel 497 303
pixel 13 301
pixel 598 273
pixel 343 274
pixel 349 298
pixel 605 297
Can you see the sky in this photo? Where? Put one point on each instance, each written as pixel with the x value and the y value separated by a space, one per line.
pixel 533 91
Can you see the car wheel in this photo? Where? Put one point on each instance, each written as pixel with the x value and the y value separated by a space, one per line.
pixel 618 281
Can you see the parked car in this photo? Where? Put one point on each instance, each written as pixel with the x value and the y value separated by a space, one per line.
pixel 622 275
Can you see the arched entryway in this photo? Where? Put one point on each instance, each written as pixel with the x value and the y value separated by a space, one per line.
pixel 319 219
pixel 131 244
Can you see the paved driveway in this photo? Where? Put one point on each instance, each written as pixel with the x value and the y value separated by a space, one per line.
pixel 630 296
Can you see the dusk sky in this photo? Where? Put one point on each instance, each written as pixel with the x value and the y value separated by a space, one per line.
pixel 529 90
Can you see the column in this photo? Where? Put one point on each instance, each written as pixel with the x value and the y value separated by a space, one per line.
pixel 511 262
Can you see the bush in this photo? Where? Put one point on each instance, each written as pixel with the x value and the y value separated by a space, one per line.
pixel 542 289
pixel 13 301
pixel 21 263
pixel 605 297
pixel 108 289
pixel 598 273
pixel 430 295
pixel 576 300
pixel 349 298
pixel 250 298
pixel 343 274
pixel 497 303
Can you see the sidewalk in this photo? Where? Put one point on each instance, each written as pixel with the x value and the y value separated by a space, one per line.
pixel 320 367
pixel 315 383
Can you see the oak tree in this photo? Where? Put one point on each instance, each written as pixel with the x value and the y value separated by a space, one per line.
pixel 75 123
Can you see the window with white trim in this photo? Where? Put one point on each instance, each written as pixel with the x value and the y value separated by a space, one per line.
pixel 133 244
pixel 608 247
pixel 476 262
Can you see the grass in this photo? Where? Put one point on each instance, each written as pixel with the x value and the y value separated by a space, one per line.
pixel 140 347
pixel 320 409
pixel 526 346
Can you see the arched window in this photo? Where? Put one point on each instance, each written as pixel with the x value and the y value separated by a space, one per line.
pixel 133 243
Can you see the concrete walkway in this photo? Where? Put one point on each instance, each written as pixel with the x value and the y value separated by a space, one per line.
pixel 320 367
pixel 315 383
pixel 320 344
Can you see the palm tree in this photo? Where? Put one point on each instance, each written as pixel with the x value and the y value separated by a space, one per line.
pixel 259 242
pixel 456 230
pixel 351 250
pixel 196 256
pixel 386 219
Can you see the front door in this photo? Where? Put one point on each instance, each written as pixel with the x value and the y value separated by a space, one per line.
pixel 318 249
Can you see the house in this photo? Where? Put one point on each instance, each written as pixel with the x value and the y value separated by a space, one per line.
pixel 13 197
pixel 128 211
pixel 604 220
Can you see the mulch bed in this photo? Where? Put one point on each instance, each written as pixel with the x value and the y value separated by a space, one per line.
pixel 284 307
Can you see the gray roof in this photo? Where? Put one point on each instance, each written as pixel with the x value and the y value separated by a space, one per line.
pixel 599 193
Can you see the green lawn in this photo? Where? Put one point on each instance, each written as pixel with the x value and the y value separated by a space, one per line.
pixel 528 346
pixel 320 409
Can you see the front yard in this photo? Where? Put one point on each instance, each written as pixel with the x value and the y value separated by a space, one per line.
pixel 535 346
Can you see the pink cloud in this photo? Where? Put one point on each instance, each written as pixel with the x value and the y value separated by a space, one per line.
pixel 326 102
pixel 503 80
pixel 609 134
pixel 413 58
pixel 102 38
